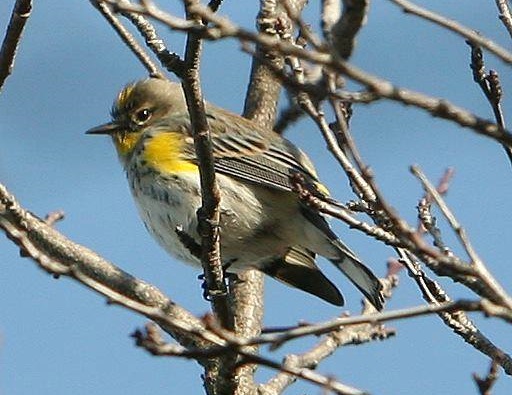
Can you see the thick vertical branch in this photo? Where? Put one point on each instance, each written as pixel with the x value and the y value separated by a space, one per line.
pixel 264 86
pixel 261 106
pixel 264 89
pixel 219 378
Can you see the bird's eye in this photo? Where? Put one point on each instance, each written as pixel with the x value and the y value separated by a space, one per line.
pixel 142 116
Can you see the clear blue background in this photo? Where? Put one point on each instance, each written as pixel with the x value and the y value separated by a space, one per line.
pixel 58 337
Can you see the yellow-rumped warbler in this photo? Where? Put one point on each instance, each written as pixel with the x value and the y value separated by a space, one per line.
pixel 263 225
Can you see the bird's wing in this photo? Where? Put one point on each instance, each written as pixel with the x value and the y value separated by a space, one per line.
pixel 268 162
pixel 242 149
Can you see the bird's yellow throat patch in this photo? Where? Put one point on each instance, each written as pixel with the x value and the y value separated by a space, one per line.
pixel 163 152
pixel 125 142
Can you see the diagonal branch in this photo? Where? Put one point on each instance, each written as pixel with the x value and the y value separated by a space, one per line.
pixel 499 295
pixel 463 31
pixel 505 14
pixel 170 60
pixel 20 14
pixel 60 256
pixel 126 37
pixel 378 87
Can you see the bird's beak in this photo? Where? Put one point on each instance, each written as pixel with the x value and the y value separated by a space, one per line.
pixel 107 128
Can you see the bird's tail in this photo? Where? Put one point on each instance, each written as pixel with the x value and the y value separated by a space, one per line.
pixel 298 269
pixel 326 243
pixel 360 275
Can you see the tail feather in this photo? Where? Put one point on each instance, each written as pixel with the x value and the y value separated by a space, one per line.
pixel 361 276
pixel 328 245
pixel 298 269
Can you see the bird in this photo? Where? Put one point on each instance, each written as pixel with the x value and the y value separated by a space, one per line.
pixel 264 225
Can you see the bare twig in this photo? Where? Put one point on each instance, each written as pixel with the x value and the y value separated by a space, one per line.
pixel 458 321
pixel 60 256
pixel 54 217
pixel 380 88
pixel 222 378
pixel 486 383
pixel 328 344
pixel 494 290
pixel 148 7
pixel 505 15
pixel 170 60
pixel 486 307
pixel 19 16
pixel 151 340
pixel 427 220
pixel 490 86
pixel 126 37
pixel 465 32
pixel 439 108
pixel 361 187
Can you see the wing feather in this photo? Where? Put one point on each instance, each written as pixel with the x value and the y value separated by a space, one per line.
pixel 266 163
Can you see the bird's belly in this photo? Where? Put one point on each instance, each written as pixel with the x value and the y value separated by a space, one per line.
pixel 248 237
pixel 166 206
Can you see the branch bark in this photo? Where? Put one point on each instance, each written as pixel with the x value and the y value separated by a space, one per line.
pixel 19 16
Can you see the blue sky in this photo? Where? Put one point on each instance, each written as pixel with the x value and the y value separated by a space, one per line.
pixel 58 337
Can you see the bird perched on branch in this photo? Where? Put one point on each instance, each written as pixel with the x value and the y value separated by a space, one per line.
pixel 263 222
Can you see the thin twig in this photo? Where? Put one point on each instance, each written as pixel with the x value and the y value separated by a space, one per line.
pixel 379 87
pixel 458 321
pixel 505 15
pixel 151 340
pixel 170 60
pixel 463 31
pixel 19 16
pixel 486 383
pixel 328 344
pixel 486 307
pixel 499 294
pixel 126 37
pixel 427 222
pixel 490 86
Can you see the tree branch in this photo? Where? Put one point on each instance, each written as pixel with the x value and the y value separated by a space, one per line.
pixel 209 214
pixel 505 15
pixel 455 27
pixel 126 37
pixel 344 31
pixel 19 16
pixel 490 86
pixel 58 255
